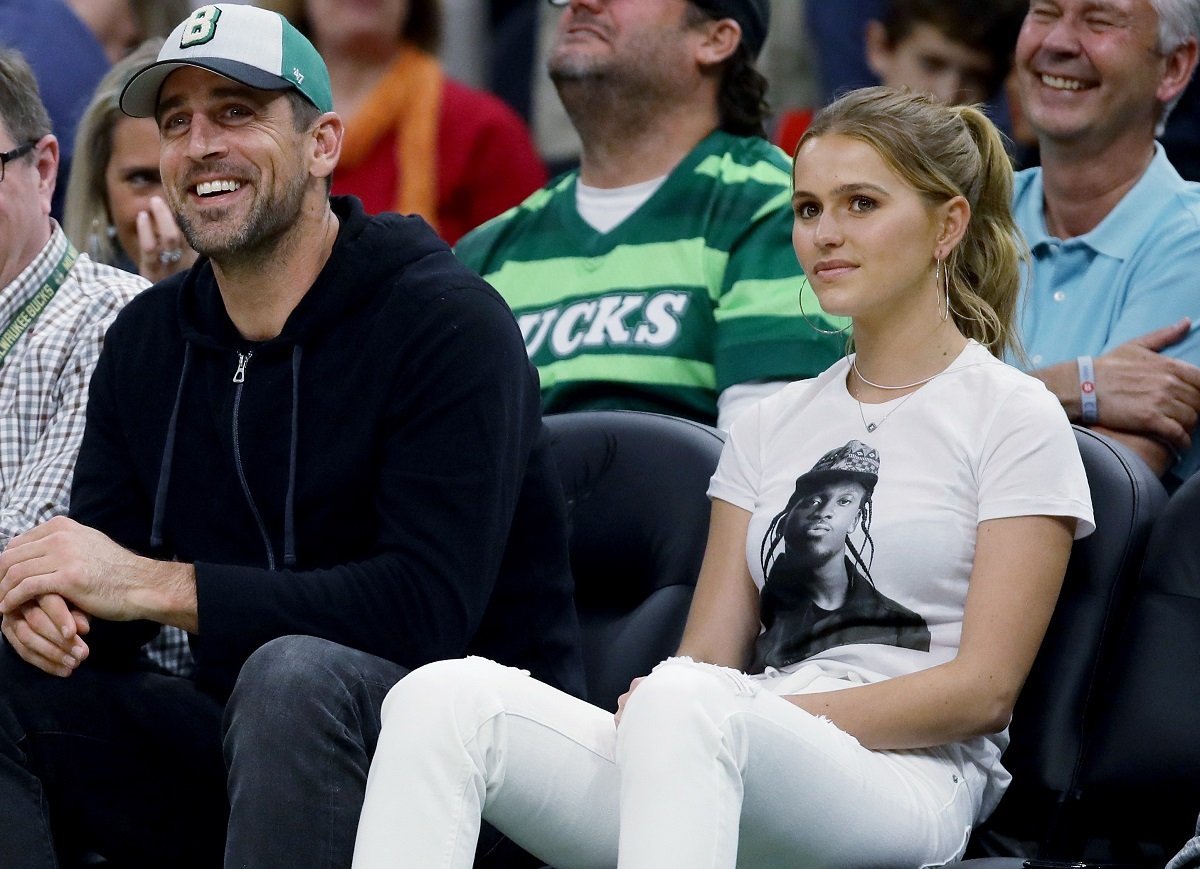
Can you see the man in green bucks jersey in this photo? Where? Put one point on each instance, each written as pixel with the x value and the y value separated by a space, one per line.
pixel 660 275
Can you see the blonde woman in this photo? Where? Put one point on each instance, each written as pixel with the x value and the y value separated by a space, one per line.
pixel 114 208
pixel 951 482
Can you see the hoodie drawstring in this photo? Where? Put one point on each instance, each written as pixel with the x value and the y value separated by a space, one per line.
pixel 164 471
pixel 289 506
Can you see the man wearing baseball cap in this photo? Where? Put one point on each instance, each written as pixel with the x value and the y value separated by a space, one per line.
pixel 318 451
pixel 660 275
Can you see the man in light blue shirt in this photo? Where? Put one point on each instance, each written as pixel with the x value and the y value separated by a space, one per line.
pixel 1107 309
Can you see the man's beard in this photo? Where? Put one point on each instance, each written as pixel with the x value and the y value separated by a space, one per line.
pixel 266 223
pixel 598 92
pixel 570 68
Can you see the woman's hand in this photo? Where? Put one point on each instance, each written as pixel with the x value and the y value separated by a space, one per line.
pixel 624 698
pixel 162 250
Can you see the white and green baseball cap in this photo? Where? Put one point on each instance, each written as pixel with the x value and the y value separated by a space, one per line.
pixel 256 47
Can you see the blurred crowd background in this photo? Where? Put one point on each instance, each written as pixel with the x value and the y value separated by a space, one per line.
pixel 494 47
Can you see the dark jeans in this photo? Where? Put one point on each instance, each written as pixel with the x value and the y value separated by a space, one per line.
pixel 300 730
pixel 126 763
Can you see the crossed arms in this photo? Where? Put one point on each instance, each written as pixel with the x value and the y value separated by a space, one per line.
pixel 1147 400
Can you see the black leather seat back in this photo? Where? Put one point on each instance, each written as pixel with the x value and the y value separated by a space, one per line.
pixel 1057 704
pixel 635 485
pixel 1142 776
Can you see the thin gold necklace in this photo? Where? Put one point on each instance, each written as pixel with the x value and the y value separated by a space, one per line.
pixel 854 365
pixel 871 426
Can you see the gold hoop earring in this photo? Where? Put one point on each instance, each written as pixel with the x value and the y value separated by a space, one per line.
pixel 840 331
pixel 938 292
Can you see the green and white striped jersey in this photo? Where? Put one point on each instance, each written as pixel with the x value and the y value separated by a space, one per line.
pixel 694 292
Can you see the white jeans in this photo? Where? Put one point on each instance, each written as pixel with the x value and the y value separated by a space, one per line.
pixel 706 770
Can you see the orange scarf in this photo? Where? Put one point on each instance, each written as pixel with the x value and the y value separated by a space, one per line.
pixel 407 100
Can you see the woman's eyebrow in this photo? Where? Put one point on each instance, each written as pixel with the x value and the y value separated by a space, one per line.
pixel 844 189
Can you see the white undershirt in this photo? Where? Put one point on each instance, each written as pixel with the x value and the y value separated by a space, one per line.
pixel 734 399
pixel 603 208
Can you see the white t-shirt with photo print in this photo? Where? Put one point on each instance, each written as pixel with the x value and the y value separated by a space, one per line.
pixel 980 441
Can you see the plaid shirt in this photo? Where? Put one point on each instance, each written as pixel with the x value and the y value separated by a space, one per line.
pixel 43 398
pixel 44 381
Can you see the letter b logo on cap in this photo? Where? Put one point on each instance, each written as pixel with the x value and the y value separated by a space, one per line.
pixel 200 27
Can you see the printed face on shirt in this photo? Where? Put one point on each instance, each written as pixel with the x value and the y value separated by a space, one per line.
pixel 865 238
pixel 818 591
pixel 820 521
pixel 234 167
pixel 1089 71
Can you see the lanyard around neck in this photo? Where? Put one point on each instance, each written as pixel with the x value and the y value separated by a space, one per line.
pixel 37 303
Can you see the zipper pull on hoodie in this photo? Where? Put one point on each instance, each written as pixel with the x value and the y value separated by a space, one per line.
pixel 239 376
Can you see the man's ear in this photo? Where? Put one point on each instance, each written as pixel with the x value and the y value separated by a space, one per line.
pixel 721 39
pixel 877 49
pixel 326 143
pixel 47 166
pixel 1177 71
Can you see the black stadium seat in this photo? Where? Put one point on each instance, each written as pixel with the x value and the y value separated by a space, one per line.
pixel 1141 780
pixel 1058 709
pixel 635 485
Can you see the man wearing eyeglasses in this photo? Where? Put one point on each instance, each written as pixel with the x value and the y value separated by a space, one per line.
pixel 55 305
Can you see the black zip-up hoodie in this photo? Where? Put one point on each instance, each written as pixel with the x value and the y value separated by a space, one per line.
pixel 377 475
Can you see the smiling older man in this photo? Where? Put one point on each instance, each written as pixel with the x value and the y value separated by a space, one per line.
pixel 1112 298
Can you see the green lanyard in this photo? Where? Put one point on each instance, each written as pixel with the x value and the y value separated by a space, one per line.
pixel 24 318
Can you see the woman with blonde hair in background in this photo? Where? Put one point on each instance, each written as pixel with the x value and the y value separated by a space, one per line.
pixel 114 207
pixel 878 743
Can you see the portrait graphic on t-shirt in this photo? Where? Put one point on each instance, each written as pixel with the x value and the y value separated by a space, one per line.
pixel 818 591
